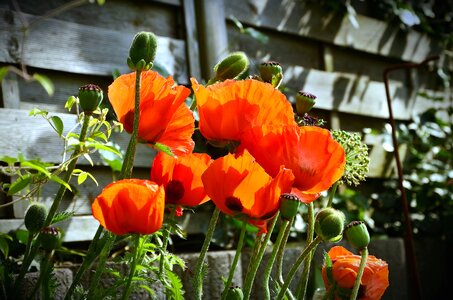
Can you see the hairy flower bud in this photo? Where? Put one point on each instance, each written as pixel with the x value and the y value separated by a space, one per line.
pixel 35 217
pixel 234 293
pixel 142 51
pixel 49 239
pixel 329 224
pixel 271 72
pixel 357 234
pixel 232 66
pixel 289 206
pixel 90 96
pixel 304 102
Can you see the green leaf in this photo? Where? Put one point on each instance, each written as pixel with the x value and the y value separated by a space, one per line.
pixel 163 148
pixel 4 247
pixel 37 111
pixel 57 179
pixel 57 124
pixel 105 147
pixel 237 23
pixel 22 236
pixel 3 72
pixel 88 157
pixel 100 135
pixel 70 102
pixel 61 216
pixel 36 166
pixel 260 37
pixel 82 177
pixel 45 82
pixel 100 2
pixel 8 159
pixel 20 184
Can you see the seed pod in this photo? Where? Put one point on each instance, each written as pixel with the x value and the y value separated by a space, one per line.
pixel 35 217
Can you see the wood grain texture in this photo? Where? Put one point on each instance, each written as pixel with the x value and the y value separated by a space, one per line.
pixel 79 48
pixel 120 15
pixel 299 18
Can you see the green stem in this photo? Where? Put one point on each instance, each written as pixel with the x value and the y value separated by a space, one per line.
pixel 362 265
pixel 42 273
pixel 235 259
pixel 332 193
pixel 255 263
pixel 198 276
pixel 127 290
pixel 55 205
pixel 296 265
pixel 270 262
pixel 165 243
pixel 87 261
pixel 281 252
pixel 302 286
pixel 128 164
pixel 110 240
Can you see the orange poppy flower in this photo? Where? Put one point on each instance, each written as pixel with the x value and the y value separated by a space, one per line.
pixel 345 266
pixel 229 108
pixel 164 117
pixel 130 206
pixel 240 186
pixel 181 177
pixel 316 159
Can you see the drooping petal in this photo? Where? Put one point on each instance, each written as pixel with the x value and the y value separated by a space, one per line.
pixel 229 108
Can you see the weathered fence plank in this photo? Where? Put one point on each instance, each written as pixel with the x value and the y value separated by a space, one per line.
pixel 79 48
pixel 303 19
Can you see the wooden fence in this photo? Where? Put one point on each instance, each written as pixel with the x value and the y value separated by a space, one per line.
pixel 320 52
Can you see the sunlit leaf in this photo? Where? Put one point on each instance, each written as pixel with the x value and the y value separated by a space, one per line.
pixel 36 166
pixel 58 124
pixel 45 82
pixel 82 177
pixel 88 157
pixel 105 147
pixel 163 148
pixel 37 111
pixel 19 184
pixel 70 102
pixel 8 159
pixel 60 181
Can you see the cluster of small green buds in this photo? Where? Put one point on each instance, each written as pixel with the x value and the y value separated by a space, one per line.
pixel 231 67
pixel 357 234
pixel 304 102
pixel 329 224
pixel 90 96
pixel 142 51
pixel 357 160
pixel 271 72
pixel 35 217
pixel 49 238
pixel 234 293
pixel 289 206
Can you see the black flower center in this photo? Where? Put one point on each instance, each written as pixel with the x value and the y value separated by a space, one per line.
pixel 174 191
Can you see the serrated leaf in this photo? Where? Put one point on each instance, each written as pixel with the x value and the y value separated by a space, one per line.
pixel 45 82
pixel 163 148
pixel 60 181
pixel 61 216
pixel 35 166
pixel 58 124
pixel 3 72
pixel 20 184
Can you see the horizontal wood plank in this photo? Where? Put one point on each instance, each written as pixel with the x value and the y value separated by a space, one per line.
pixel 300 18
pixel 132 16
pixel 81 49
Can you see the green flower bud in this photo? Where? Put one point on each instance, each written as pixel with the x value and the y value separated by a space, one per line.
pixel 289 206
pixel 357 234
pixel 231 67
pixel 35 217
pixel 142 51
pixel 49 238
pixel 304 102
pixel 272 73
pixel 329 224
pixel 90 96
pixel 234 293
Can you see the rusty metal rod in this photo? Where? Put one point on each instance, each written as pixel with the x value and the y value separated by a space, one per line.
pixel 411 257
